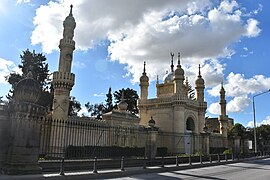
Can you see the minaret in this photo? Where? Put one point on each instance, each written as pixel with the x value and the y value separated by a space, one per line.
pixel 200 87
pixel 223 118
pixel 144 84
pixel 178 77
pixel 63 79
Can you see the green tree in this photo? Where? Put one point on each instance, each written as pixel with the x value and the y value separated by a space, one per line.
pixel 109 101
pixel 237 130
pixel 130 96
pixel 36 63
pixel 74 107
pixel 95 109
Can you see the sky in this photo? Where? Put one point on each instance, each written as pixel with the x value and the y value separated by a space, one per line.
pixel 228 38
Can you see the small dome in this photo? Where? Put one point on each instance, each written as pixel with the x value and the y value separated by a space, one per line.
pixel 122 106
pixel 168 77
pixel 179 71
pixel 199 81
pixel 144 78
pixel 27 90
pixel 70 21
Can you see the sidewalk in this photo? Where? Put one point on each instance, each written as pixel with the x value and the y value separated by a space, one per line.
pixel 114 173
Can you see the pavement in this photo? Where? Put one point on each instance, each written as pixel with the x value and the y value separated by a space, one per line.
pixel 117 173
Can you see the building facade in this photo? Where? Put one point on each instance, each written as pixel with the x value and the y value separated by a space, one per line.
pixel 173 120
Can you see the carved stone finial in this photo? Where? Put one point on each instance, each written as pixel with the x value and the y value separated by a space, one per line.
pixel 178 58
pixel 199 70
pixel 157 80
pixel 70 13
pixel 144 64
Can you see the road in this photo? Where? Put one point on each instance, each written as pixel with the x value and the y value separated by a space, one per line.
pixel 255 169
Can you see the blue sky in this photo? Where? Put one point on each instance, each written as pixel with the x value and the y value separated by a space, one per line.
pixel 113 38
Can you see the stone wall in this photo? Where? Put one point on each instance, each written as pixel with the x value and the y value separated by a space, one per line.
pixel 4 133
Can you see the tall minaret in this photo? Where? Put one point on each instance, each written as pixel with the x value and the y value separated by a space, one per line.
pixel 200 87
pixel 223 118
pixel 63 79
pixel 179 77
pixel 144 84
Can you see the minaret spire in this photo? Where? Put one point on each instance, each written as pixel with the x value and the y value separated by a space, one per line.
pixel 144 71
pixel 178 62
pixel 70 13
pixel 172 66
pixel 199 71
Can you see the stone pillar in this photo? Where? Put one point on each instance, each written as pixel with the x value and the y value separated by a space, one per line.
pixel 24 141
pixel 151 142
pixel 205 143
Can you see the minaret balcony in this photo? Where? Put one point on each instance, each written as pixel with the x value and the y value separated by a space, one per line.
pixel 63 79
pixel 67 42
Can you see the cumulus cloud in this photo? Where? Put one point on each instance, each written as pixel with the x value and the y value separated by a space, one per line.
pixel 99 95
pixel 148 30
pixel 266 121
pixel 239 86
pixel 6 67
pixel 238 104
pixel 214 108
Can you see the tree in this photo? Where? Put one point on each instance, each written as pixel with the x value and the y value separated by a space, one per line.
pixel 191 91
pixel 36 63
pixel 109 101
pixel 95 110
pixel 130 97
pixel 74 106
pixel 237 130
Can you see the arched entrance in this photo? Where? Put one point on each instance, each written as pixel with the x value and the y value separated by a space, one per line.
pixel 189 142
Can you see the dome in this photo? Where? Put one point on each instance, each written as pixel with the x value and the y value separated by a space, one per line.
pixel 70 21
pixel 199 81
pixel 168 77
pixel 27 90
pixel 179 71
pixel 144 78
pixel 122 106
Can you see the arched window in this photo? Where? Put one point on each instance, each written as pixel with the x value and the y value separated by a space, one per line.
pixel 190 126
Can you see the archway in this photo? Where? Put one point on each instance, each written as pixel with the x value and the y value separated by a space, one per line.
pixel 189 141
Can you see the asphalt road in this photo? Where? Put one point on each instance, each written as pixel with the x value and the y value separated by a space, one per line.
pixel 255 169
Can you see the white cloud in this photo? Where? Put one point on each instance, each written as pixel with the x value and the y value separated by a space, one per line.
pixel 6 67
pixel 148 30
pixel 252 28
pixel 22 1
pixel 239 86
pixel 83 112
pixel 266 121
pixel 78 64
pixel 238 104
pixel 99 95
pixel 214 108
